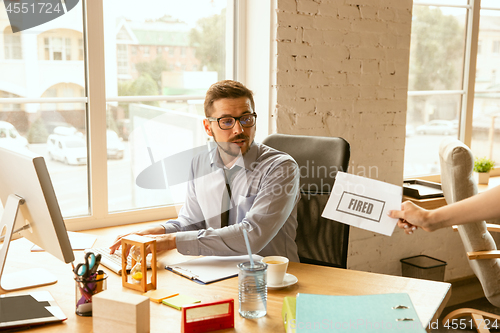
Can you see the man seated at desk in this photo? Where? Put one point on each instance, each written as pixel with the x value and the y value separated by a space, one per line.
pixel 237 185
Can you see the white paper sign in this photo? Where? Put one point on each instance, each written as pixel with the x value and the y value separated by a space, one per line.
pixel 363 203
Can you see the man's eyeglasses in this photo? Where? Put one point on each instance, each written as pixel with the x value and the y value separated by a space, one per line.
pixel 225 123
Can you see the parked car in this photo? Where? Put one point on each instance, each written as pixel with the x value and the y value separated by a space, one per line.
pixel 10 138
pixel 440 127
pixel 66 130
pixel 114 145
pixel 70 149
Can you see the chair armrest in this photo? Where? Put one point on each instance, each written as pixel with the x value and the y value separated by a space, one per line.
pixel 493 227
pixel 490 226
pixel 494 254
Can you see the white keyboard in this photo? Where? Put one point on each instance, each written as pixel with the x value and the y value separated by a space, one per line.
pixel 114 261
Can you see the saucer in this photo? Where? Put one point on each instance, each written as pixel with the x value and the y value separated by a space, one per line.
pixel 287 281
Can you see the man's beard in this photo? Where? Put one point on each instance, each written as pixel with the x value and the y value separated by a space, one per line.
pixel 231 148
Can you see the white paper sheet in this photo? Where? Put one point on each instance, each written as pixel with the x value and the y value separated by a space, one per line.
pixel 363 203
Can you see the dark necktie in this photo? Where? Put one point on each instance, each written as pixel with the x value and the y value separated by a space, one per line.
pixel 226 195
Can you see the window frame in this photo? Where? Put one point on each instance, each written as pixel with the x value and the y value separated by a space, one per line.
pixel 96 95
pixel 96 101
pixel 469 74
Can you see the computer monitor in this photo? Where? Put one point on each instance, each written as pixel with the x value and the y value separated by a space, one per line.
pixel 30 205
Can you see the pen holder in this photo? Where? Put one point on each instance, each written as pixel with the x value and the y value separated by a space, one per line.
pixel 84 290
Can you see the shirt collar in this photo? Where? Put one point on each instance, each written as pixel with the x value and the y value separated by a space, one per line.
pixel 246 160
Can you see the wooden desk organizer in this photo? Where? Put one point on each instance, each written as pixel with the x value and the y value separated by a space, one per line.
pixel 142 243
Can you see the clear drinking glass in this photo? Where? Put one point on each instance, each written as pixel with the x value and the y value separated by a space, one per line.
pixel 252 285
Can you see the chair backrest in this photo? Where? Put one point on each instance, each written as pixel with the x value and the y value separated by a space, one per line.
pixel 457 181
pixel 320 241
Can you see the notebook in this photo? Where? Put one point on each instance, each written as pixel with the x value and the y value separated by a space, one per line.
pixel 360 314
pixel 206 270
pixel 29 309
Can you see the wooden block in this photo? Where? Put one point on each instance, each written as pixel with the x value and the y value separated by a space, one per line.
pixel 115 311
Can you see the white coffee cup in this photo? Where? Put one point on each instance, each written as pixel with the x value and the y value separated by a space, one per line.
pixel 276 269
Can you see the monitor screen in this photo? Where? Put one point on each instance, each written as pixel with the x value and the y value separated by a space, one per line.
pixel 25 175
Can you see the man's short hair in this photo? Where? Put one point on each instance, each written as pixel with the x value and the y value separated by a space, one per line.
pixel 226 89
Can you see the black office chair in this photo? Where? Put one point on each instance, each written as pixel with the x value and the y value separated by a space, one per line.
pixel 320 241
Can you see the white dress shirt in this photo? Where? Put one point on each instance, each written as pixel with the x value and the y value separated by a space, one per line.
pixel 265 192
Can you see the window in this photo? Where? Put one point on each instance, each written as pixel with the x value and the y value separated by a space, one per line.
pixel 166 123
pixel 80 49
pixel 12 44
pixel 131 125
pixel 435 84
pixel 496 47
pixel 57 48
pixel 122 58
pixel 485 138
pixel 441 103
pixel 57 86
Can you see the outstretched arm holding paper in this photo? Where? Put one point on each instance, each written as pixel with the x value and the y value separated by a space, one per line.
pixel 483 206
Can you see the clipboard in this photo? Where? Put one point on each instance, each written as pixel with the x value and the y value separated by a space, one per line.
pixel 211 269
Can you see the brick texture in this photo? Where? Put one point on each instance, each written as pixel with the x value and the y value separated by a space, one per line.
pixel 341 69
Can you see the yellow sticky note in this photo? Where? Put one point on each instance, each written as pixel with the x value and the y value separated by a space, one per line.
pixel 159 294
pixel 179 301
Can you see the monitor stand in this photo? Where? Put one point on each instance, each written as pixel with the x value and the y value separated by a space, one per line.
pixel 25 279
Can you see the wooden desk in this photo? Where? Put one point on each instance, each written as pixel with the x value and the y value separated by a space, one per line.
pixel 428 297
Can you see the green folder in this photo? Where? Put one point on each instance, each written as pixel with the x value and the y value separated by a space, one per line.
pixel 177 302
pixel 367 313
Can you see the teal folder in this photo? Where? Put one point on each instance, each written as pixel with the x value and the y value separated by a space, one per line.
pixel 367 313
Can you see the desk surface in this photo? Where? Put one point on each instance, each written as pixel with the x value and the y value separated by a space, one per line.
pixel 428 297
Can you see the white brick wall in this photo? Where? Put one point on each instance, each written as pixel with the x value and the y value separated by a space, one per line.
pixel 341 69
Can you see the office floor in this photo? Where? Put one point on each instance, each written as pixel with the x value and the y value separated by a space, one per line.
pixel 480 304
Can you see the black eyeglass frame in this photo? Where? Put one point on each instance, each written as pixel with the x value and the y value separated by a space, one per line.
pixel 235 120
